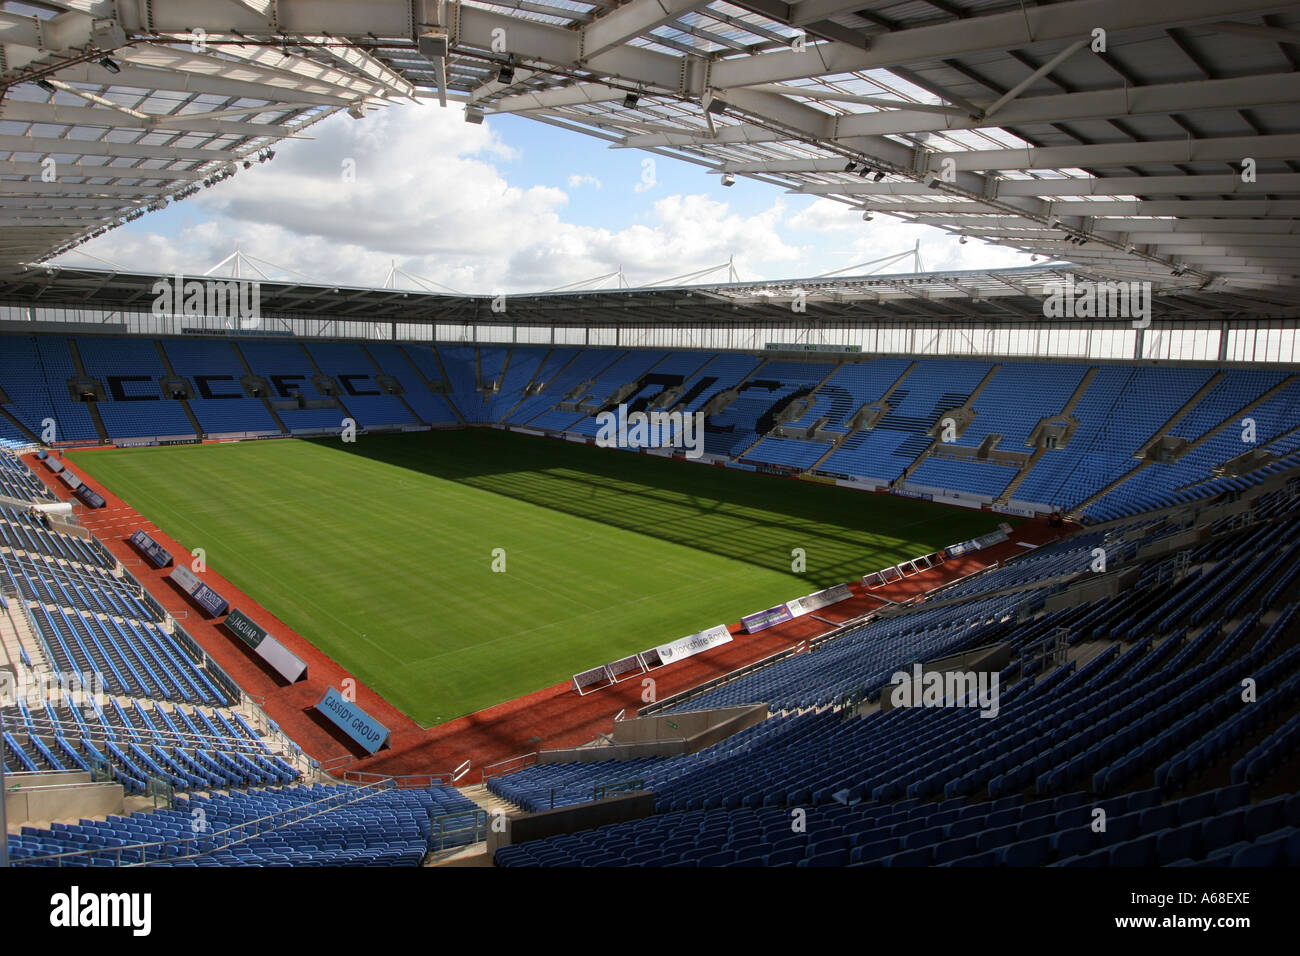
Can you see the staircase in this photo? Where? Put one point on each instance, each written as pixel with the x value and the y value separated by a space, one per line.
pixel 446 381
pixel 15 636
pixel 167 364
pixel 409 410
pixel 523 392
pixel 1192 446
pixel 1065 412
pixel 90 406
pixel 266 399
pixel 489 801
pixel 338 399
pixel 919 444
pixel 947 403
pixel 23 429
pixel 1010 489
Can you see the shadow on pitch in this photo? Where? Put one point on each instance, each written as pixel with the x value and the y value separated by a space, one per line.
pixel 735 514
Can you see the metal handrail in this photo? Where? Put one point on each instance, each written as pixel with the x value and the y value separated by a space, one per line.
pixel 439 825
pixel 340 761
pixel 483 773
pixel 401 782
pixel 602 790
pixel 50 659
pixel 335 800
pixel 158 738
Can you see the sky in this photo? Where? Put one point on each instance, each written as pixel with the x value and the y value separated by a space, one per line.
pixel 511 205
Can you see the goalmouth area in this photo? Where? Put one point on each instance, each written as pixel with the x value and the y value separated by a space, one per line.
pixel 454 570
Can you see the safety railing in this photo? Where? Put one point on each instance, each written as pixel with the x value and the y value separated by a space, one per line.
pixel 510 764
pixel 602 790
pixel 410 781
pixel 451 829
pixel 202 843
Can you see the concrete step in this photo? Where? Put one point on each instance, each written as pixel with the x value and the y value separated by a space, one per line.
pixel 489 801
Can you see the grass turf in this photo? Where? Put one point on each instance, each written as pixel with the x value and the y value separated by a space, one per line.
pixel 381 552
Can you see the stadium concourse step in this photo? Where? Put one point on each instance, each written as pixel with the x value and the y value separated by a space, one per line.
pixel 16 637
pixel 937 439
pixel 22 429
pixel 401 398
pixel 185 405
pixel 476 853
pixel 338 399
pixel 266 401
pixel 80 368
pixel 1209 434
pixel 446 380
pixel 489 801
pixel 1210 384
pixel 523 392
pixel 442 371
pixel 1009 491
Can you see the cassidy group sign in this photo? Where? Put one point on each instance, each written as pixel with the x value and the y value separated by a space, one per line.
pixel 353 721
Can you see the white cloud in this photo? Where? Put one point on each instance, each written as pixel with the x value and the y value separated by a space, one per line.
pixel 433 195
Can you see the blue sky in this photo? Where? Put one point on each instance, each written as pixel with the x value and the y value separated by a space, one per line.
pixel 511 205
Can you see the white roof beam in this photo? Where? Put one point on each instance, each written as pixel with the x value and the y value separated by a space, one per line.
pixel 1108 207
pixel 104 170
pixel 217 83
pixel 831 96
pixel 1034 77
pixel 631 20
pixel 995 33
pixel 529 40
pixel 1017 226
pixel 383 18
pixel 1226 149
pixel 14 187
pixel 402 18
pixel 253 65
pixel 103 102
pixel 1103 186
pixel 1275 89
pixel 1278 89
pixel 81 147
pixel 64 225
pixel 362 62
pixel 1171 240
pixel 558 96
pixel 30 111
pixel 59 34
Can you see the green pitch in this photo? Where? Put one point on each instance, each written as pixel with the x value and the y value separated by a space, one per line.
pixel 381 552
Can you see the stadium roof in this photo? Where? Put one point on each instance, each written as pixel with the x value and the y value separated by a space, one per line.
pixel 1137 139
pixel 997 296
